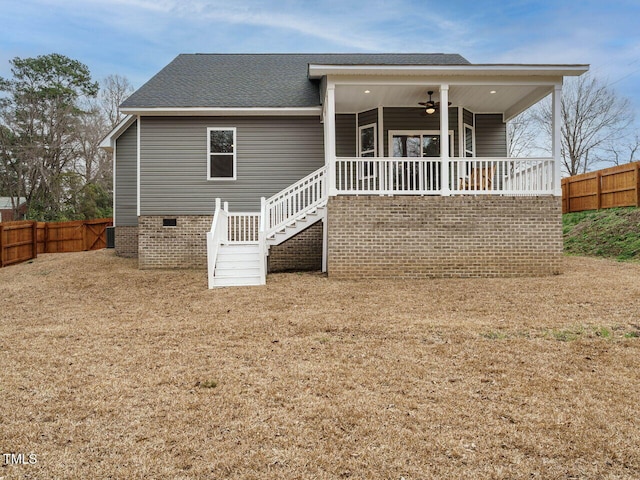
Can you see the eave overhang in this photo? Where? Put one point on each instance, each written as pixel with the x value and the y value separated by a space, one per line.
pixel 224 111
pixel 317 71
pixel 109 141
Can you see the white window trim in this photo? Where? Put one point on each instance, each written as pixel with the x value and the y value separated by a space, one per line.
pixel 473 140
pixel 361 171
pixel 209 154
pixel 422 133
pixel 375 139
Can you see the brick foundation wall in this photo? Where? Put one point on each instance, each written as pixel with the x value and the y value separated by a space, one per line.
pixel 182 246
pixel 302 252
pixel 461 236
pixel 126 241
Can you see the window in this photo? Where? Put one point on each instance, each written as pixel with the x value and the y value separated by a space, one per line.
pixel 368 141
pixel 367 147
pixel 417 143
pixel 221 153
pixel 469 141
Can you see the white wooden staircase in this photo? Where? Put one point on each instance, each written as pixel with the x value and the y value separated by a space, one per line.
pixel 238 265
pixel 238 243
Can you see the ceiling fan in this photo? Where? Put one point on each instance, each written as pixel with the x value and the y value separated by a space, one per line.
pixel 430 107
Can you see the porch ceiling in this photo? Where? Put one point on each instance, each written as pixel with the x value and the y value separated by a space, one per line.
pixel 507 99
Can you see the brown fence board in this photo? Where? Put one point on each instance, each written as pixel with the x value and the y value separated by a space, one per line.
pixel 21 241
pixel 617 186
pixel 17 242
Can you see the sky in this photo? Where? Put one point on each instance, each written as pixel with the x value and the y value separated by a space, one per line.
pixel 136 38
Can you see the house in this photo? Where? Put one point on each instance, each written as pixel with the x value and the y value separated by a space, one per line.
pixel 249 163
pixel 12 208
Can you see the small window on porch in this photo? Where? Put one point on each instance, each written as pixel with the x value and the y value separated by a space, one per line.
pixel 367 147
pixel 368 141
pixel 469 141
pixel 221 153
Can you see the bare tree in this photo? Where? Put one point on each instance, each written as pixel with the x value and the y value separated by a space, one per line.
pixel 593 116
pixel 522 134
pixel 623 150
pixel 114 90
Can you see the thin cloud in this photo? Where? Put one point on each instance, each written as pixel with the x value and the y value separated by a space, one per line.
pixel 363 26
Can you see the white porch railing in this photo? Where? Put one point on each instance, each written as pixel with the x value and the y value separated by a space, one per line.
pixel 243 227
pixel 378 175
pixel 215 237
pixel 504 176
pixel 531 175
pixel 295 201
pixel 422 176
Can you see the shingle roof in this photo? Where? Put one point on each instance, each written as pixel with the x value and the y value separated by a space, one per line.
pixel 256 80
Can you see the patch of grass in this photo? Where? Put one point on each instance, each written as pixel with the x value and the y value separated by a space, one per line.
pixel 603 332
pixel 612 233
pixel 208 384
pixel 632 335
pixel 494 335
pixel 573 333
pixel 566 334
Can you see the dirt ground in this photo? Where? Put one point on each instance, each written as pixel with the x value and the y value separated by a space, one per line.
pixel 113 372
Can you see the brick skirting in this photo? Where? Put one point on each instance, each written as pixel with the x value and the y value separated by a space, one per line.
pixel 302 252
pixel 433 236
pixel 126 241
pixel 185 245
pixel 182 246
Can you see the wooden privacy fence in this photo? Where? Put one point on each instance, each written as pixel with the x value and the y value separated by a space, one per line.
pixel 22 241
pixel 611 187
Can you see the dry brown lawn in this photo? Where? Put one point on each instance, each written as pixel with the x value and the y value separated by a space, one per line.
pixel 113 372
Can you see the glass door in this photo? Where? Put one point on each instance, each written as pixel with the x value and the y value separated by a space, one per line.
pixel 419 175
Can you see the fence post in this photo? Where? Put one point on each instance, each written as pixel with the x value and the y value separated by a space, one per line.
pixel 46 238
pixel 34 238
pixel 598 190
pixel 1 245
pixel 85 247
pixel 637 184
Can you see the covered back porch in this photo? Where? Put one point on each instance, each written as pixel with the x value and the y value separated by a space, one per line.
pixel 379 140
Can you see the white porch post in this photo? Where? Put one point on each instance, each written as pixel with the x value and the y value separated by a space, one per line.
pixel 380 131
pixel 330 136
pixel 556 139
pixel 444 139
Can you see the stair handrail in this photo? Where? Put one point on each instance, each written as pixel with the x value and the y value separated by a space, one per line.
pixel 275 217
pixel 217 235
pixel 262 239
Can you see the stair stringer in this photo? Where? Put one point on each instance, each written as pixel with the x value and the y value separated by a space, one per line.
pixel 318 213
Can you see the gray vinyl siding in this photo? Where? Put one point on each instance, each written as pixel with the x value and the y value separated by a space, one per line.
pixel 368 117
pixel 272 153
pixel 491 135
pixel 406 118
pixel 346 133
pixel 126 188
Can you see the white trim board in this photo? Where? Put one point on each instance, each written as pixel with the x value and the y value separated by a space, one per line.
pixel 138 166
pixel 318 70
pixel 108 142
pixel 226 111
